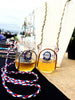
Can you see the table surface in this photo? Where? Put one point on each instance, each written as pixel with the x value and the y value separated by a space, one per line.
pixel 64 77
pixel 48 90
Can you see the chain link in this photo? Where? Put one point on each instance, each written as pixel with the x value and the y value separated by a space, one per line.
pixel 61 25
pixel 45 17
pixel 43 26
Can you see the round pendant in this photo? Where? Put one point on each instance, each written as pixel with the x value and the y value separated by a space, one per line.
pixel 47 56
pixel 27 55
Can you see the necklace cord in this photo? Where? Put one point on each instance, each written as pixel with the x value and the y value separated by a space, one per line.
pixel 6 78
pixel 43 26
pixel 44 22
pixel 57 43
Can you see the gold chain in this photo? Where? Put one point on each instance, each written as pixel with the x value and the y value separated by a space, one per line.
pixel 43 25
pixel 59 27
pixel 61 24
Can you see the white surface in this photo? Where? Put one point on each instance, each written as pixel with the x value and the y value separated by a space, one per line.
pixel 55 9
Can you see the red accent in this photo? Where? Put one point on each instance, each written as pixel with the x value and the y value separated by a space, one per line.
pixel 15 94
pixel 35 93
pixel 9 90
pixel 26 96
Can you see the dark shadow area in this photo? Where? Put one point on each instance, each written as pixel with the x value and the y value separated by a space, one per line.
pixel 48 90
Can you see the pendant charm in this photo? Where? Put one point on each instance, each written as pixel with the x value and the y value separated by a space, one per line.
pixel 47 56
pixel 26 60
pixel 47 60
pixel 27 55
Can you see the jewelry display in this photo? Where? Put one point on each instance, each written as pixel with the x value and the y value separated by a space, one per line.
pixel 49 65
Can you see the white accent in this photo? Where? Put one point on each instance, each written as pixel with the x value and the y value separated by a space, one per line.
pixel 30 96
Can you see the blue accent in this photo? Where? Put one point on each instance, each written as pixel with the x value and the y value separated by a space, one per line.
pixel 1 48
pixel 23 96
pixel 13 93
pixel 2 37
pixel 26 54
pixel 47 56
pixel 33 94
